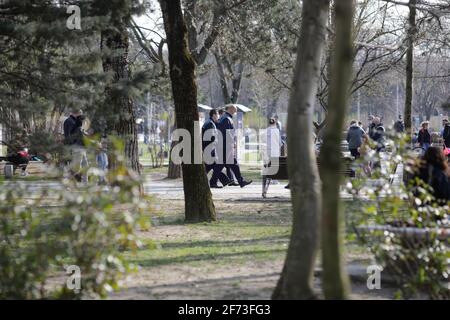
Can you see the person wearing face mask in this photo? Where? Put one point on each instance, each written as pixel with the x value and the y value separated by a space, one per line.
pixel 227 154
pixel 210 127
pixel 73 138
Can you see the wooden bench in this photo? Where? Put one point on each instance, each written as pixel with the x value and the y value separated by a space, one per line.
pixel 33 167
pixel 282 172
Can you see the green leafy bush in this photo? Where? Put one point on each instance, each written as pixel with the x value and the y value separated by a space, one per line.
pixel 403 225
pixel 43 232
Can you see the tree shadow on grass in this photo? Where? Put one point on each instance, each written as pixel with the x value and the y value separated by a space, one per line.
pixel 237 242
pixel 200 257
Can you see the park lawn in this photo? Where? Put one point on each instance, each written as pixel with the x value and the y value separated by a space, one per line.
pixel 237 257
pixel 29 178
pixel 235 238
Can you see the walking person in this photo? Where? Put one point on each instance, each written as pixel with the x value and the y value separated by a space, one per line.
pixel 371 126
pixel 101 158
pixel 228 153
pixel 424 136
pixel 273 143
pixel 445 133
pixel 73 138
pixel 378 136
pixel 399 125
pixel 355 137
pixel 210 128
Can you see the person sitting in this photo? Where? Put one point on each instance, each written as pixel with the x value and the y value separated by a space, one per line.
pixel 434 171
pixel 19 159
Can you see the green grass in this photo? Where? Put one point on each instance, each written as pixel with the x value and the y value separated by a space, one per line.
pixel 243 233
pixel 28 178
pixel 237 238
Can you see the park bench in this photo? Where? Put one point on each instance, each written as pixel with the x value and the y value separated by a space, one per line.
pixel 33 168
pixel 282 172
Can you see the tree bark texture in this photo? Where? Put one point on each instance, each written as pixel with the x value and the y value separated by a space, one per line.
pixel 335 280
pixel 197 195
pixel 296 281
pixel 410 66
pixel 121 118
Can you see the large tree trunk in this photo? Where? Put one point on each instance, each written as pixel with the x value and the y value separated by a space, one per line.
pixel 174 171
pixel 410 66
pixel 335 280
pixel 197 195
pixel 120 117
pixel 296 280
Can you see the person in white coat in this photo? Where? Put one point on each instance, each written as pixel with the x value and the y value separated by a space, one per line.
pixel 273 143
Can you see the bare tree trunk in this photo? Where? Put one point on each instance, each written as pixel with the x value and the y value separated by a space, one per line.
pixel 296 281
pixel 174 169
pixel 121 117
pixel 236 82
pixel 410 66
pixel 223 79
pixel 335 280
pixel 236 77
pixel 197 195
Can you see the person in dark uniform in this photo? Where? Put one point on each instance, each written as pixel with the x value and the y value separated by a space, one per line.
pixel 227 154
pixel 210 124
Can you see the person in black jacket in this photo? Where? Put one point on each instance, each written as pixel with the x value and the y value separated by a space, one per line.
pixel 435 172
pixel 424 136
pixel 227 154
pixel 210 127
pixel 72 129
pixel 446 133
pixel 73 138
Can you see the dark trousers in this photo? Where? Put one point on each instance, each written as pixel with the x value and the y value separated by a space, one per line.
pixel 230 174
pixel 355 153
pixel 17 161
pixel 233 168
pixel 217 174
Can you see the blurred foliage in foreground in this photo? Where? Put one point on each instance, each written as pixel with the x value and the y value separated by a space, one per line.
pixel 87 225
pixel 403 224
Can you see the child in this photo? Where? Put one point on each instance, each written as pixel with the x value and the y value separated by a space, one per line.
pixel 101 159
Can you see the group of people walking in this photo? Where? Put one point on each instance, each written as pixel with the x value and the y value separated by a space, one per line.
pixel 224 155
pixel 358 138
pixel 433 169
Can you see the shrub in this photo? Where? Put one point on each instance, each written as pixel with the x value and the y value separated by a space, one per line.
pixel 43 232
pixel 402 225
